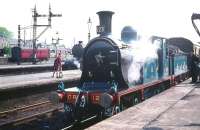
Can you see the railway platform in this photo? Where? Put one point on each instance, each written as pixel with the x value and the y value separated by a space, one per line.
pixel 26 68
pixel 37 79
pixel 177 108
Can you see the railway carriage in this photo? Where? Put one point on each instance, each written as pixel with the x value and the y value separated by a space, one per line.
pixel 26 54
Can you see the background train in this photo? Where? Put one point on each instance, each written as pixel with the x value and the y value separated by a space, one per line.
pixel 117 74
pixel 22 54
pixel 26 54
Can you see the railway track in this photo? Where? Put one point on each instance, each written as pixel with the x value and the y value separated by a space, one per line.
pixel 82 124
pixel 27 113
pixel 36 112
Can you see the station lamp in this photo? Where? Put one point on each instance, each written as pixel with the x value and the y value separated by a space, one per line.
pixel 89 27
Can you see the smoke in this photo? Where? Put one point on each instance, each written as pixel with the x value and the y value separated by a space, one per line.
pixel 77 63
pixel 72 62
pixel 135 56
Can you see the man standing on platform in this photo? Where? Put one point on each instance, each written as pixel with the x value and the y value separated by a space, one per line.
pixel 194 67
pixel 57 66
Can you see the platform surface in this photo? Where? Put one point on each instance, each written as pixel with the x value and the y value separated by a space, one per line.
pixel 177 108
pixel 8 82
pixel 25 65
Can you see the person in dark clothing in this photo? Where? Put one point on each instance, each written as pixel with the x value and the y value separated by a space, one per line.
pixel 194 67
pixel 57 66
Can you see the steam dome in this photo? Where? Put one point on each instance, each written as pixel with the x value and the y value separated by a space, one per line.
pixel 128 34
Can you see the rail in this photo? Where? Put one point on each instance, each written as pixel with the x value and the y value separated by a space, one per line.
pixel 27 113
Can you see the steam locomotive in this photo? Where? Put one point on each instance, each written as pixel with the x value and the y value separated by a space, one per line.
pixel 117 74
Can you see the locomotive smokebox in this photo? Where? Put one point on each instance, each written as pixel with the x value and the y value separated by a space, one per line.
pixel 105 19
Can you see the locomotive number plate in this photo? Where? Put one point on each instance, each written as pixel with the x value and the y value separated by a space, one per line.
pixel 100 29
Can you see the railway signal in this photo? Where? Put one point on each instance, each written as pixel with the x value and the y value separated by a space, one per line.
pixel 35 25
pixel 57 41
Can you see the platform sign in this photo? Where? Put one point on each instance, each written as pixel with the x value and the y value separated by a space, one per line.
pixel 100 29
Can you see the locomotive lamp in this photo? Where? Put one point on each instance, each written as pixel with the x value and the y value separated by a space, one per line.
pixel 89 27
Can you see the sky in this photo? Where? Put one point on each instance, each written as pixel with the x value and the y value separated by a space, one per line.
pixel 166 18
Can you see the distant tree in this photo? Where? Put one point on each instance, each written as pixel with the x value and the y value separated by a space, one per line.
pixel 7 51
pixel 5 33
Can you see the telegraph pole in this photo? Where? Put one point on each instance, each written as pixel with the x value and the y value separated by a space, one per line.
pixel 35 25
pixel 19 35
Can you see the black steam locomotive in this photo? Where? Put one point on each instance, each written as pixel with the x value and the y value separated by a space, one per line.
pixel 117 74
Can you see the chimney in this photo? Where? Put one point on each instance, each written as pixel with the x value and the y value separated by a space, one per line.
pixel 105 18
